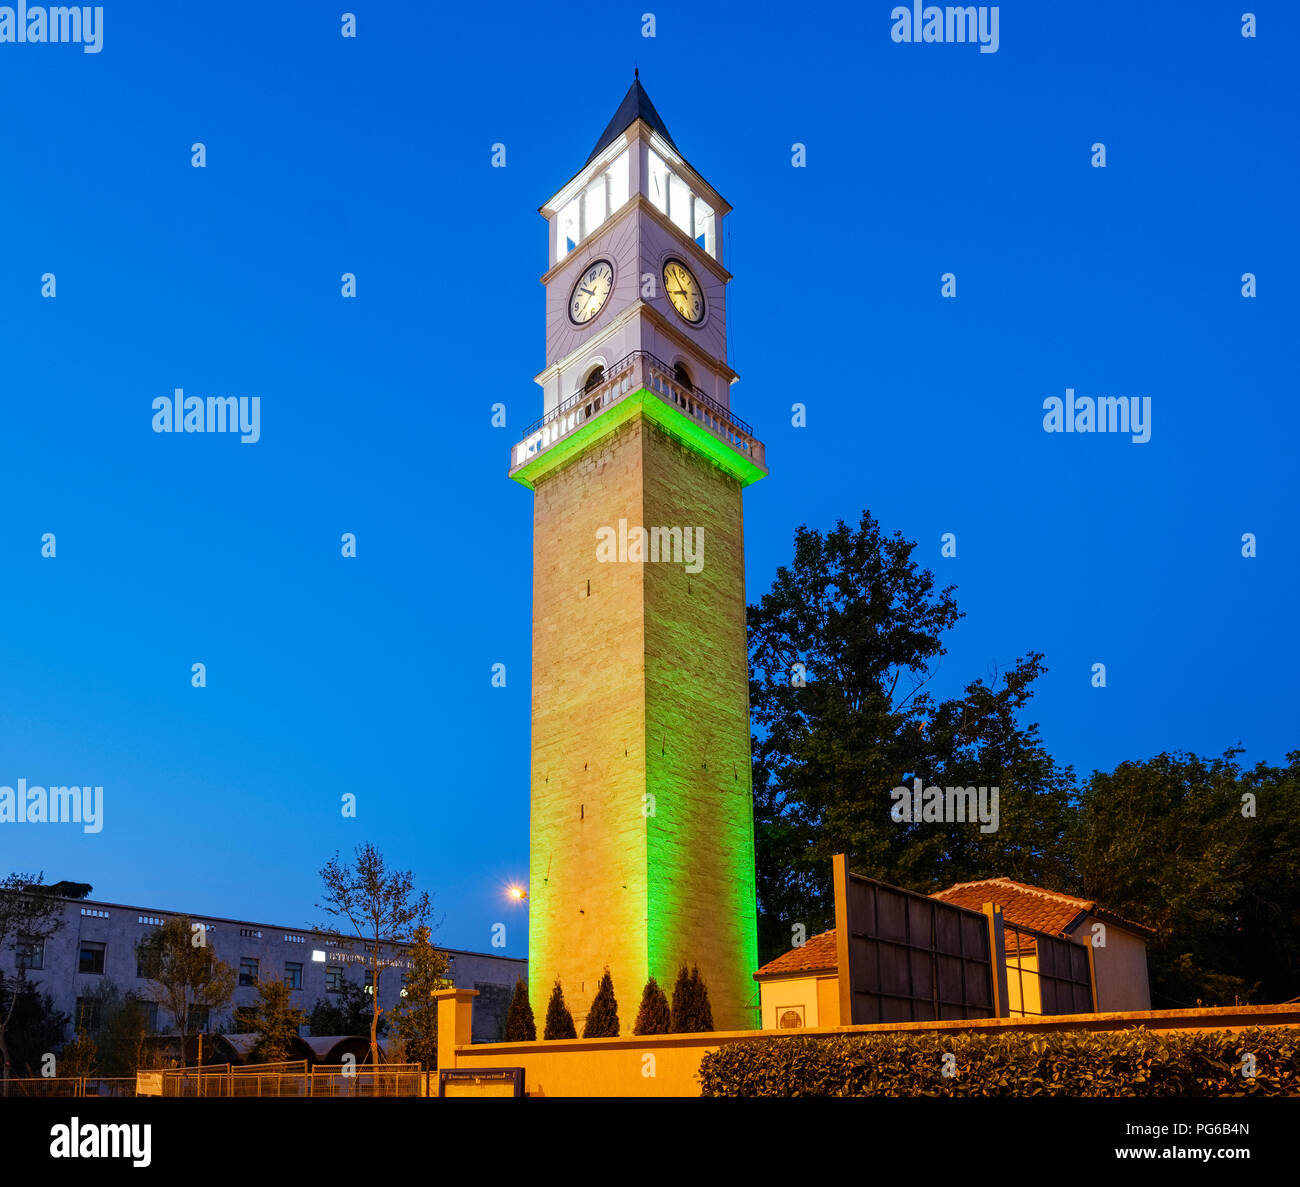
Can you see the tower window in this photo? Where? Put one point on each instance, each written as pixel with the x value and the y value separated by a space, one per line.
pixel 679 202
pixel 585 214
pixel 595 379
pixel 683 376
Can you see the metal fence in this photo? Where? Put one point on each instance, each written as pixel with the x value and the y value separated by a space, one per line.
pixel 912 958
pixel 296 1079
pixel 289 1078
pixel 1045 974
pixel 65 1086
pixel 388 1079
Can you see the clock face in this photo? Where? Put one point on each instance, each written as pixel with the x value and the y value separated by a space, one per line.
pixel 591 292
pixel 684 291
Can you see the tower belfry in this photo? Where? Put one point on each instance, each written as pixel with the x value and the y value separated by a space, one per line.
pixel 642 840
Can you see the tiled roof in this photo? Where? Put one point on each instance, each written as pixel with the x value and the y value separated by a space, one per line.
pixel 1032 906
pixel 817 955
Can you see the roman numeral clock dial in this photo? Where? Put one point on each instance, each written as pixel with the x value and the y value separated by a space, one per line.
pixel 591 292
pixel 684 291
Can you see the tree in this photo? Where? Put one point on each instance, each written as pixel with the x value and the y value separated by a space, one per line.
pixel 602 1018
pixel 110 1033
pixel 842 649
pixel 29 915
pixel 346 1012
pixel 36 1027
pixel 77 890
pixel 691 1011
pixel 184 974
pixel 559 1022
pixel 415 1018
pixel 654 1017
pixel 275 1020
pixel 520 1025
pixel 78 1056
pixel 1207 854
pixel 381 908
pixel 122 1035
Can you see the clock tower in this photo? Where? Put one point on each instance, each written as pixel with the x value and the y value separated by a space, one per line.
pixel 642 837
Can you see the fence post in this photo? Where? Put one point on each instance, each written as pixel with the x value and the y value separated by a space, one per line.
pixel 998 960
pixel 840 877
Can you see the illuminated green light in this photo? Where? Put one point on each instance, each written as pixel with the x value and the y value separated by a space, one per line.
pixel 669 418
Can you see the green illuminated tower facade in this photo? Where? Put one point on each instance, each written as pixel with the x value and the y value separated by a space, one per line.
pixel 642 844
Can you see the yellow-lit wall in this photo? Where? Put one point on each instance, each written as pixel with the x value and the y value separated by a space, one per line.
pixel 1121 970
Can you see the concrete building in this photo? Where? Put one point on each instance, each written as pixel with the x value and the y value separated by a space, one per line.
pixel 97 943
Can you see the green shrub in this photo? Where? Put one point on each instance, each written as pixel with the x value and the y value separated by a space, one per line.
pixel 602 1018
pixel 653 1018
pixel 1127 1063
pixel 691 1011
pixel 520 1026
pixel 559 1022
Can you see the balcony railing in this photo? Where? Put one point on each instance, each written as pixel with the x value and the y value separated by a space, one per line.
pixel 638 370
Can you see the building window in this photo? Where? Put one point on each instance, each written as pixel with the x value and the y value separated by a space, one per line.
pixel 334 980
pixel 245 1020
pixel 293 974
pixel 247 971
pixel 150 1017
pixel 253 932
pixel 595 379
pixel 198 1019
pixel 94 913
pixel 92 958
pixel 151 920
pixel 31 952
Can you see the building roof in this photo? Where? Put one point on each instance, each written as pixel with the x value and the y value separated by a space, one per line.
pixel 269 928
pixel 816 955
pixel 636 105
pixel 1032 906
pixel 1022 905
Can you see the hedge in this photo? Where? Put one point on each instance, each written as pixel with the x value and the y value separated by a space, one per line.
pixel 1076 1063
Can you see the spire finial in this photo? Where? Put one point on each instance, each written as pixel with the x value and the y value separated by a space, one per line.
pixel 636 72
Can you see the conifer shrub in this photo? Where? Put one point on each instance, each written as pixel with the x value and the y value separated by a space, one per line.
pixel 690 1010
pixel 559 1022
pixel 654 1017
pixel 520 1025
pixel 602 1018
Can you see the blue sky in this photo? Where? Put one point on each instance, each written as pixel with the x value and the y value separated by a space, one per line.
pixel 373 156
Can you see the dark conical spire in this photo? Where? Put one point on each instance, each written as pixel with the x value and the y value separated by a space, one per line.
pixel 636 105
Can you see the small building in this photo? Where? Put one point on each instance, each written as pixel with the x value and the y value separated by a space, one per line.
pixel 801 987
pixel 1120 973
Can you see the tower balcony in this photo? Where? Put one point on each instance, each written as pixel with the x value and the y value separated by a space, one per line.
pixel 640 381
